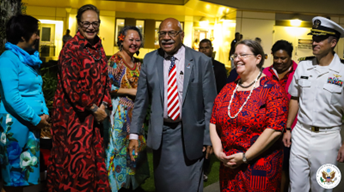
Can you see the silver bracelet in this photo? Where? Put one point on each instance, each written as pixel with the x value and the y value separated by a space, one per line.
pixel 94 109
pixel 105 103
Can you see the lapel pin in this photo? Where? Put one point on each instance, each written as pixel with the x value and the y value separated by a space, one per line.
pixel 188 66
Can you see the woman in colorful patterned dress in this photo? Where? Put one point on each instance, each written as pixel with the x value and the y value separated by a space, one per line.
pixel 23 112
pixel 83 92
pixel 124 71
pixel 247 121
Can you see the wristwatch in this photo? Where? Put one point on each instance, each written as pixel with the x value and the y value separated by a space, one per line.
pixel 244 158
pixel 288 129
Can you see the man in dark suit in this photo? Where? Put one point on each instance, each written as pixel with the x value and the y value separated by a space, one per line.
pixel 206 47
pixel 179 84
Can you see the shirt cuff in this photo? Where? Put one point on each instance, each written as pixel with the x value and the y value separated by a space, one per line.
pixel 133 136
pixel 36 120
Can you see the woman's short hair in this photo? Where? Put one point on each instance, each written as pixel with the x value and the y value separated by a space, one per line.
pixel 123 33
pixel 282 45
pixel 256 49
pixel 84 8
pixel 21 26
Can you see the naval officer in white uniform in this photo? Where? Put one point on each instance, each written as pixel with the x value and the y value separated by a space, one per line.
pixel 318 100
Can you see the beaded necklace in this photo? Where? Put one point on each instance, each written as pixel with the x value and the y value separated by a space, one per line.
pixel 240 84
pixel 99 52
pixel 230 102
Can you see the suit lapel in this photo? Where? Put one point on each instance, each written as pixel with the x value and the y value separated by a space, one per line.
pixel 160 68
pixel 188 66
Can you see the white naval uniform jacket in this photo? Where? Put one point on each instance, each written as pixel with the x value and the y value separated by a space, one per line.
pixel 320 92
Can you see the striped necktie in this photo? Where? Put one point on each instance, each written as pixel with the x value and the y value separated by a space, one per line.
pixel 172 92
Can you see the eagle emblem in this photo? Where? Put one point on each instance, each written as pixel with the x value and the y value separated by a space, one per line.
pixel 336 75
pixel 328 177
pixel 317 23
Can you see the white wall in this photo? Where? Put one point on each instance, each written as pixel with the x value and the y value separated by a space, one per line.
pixel 292 35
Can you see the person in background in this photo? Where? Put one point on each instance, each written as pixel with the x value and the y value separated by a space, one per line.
pixel 247 121
pixel 282 70
pixel 317 99
pixel 233 43
pixel 179 84
pixel 206 47
pixel 195 45
pixel 124 72
pixel 82 95
pixel 23 111
pixel 259 40
pixel 66 37
pixel 233 75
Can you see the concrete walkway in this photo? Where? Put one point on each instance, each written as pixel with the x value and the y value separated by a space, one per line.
pixel 215 187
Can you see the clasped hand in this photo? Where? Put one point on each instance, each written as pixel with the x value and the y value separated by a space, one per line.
pixel 44 123
pixel 100 114
pixel 232 161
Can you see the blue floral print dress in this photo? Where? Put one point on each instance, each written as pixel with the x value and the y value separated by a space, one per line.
pixel 22 102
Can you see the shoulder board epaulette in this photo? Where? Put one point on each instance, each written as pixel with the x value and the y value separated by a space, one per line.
pixel 306 58
pixel 342 60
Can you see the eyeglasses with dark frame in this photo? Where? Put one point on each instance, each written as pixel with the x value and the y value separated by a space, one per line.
pixel 87 24
pixel 170 33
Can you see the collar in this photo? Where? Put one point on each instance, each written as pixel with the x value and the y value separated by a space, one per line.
pixel 177 55
pixel 335 64
pixel 274 70
pixel 84 43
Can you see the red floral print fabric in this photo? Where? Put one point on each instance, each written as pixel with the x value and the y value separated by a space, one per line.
pixel 266 108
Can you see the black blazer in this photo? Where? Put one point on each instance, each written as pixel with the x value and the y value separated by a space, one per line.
pixel 220 75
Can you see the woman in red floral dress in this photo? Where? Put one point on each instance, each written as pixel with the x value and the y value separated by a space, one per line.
pixel 247 121
pixel 83 93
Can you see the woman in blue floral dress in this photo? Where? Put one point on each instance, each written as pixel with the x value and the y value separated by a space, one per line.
pixel 23 111
pixel 124 72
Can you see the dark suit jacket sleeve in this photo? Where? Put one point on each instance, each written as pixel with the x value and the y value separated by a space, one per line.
pixel 141 101
pixel 209 94
pixel 220 75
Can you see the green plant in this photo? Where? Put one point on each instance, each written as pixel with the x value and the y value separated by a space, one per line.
pixel 49 85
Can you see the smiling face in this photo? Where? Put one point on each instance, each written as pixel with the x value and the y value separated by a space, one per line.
pixel 170 43
pixel 282 61
pixel 132 42
pixel 88 25
pixel 322 45
pixel 245 62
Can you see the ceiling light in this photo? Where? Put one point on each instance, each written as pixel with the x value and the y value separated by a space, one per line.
pixel 295 22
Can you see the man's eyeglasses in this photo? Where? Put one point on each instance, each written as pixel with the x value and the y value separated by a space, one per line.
pixel 87 24
pixel 240 56
pixel 170 33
